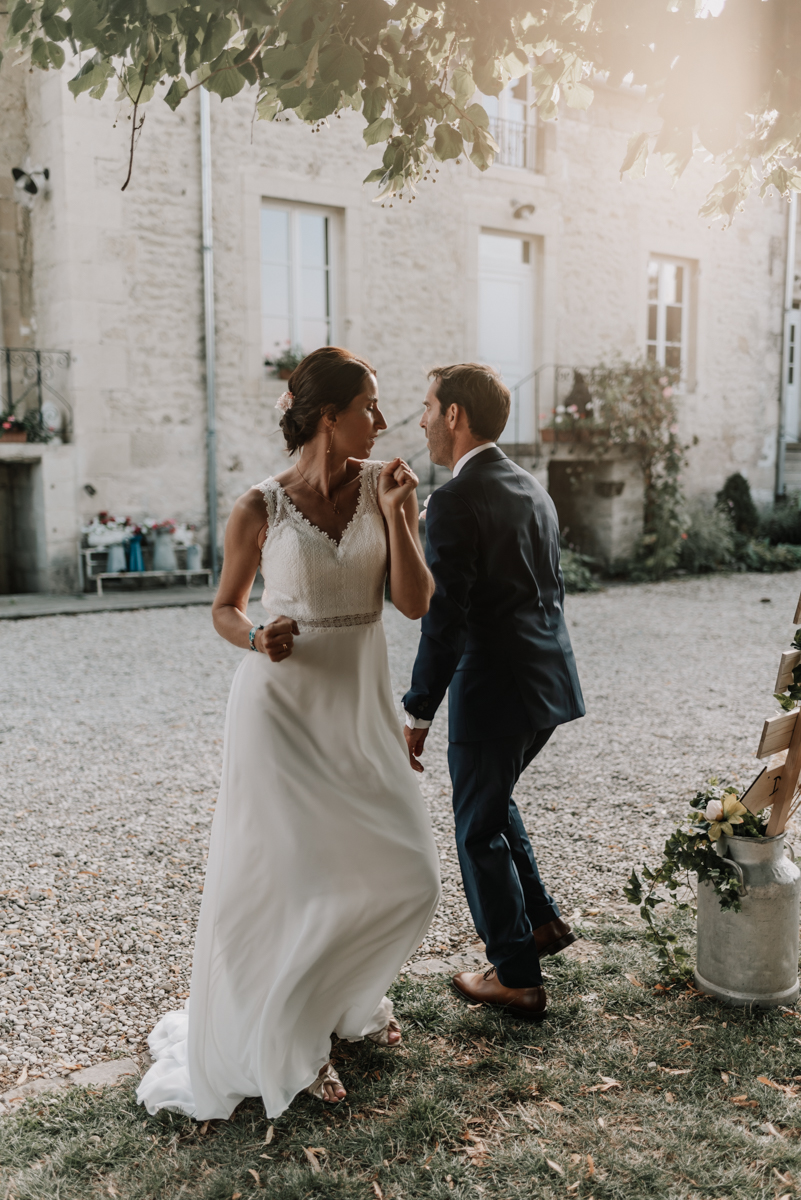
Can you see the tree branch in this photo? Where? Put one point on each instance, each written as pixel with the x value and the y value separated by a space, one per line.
pixel 134 129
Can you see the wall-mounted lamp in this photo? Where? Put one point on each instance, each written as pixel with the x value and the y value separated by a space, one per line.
pixel 25 185
pixel 519 211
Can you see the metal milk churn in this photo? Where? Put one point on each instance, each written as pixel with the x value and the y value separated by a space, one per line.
pixel 750 957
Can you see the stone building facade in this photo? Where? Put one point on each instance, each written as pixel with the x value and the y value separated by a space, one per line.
pixel 546 259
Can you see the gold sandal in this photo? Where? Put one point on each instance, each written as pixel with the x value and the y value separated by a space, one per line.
pixel 381 1037
pixel 317 1089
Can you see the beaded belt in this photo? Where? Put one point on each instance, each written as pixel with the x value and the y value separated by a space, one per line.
pixel 341 622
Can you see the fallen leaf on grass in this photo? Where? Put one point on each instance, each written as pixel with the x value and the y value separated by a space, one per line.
pixel 255 1175
pixel 204 1128
pixel 553 1104
pixel 475 1006
pixel 676 1070
pixel 311 1153
pixel 269 1135
pixel 602 1087
pixel 724 1075
pixel 779 1087
pixel 744 1102
pixel 237 1196
pixel 555 1166
pixel 782 1178
pixel 633 979
pixel 377 1190
pixel 22 1077
pixel 590 1166
pixel 671 1099
pixel 573 1187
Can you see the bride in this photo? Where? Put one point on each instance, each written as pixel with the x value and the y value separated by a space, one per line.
pixel 322 874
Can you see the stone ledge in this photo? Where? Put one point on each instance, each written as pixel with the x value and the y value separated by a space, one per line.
pixel 105 1074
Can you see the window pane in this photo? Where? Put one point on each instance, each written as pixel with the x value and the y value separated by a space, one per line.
pixel 314 334
pixel 679 285
pixel 672 324
pixel 651 352
pixel 275 281
pixel 669 283
pixel 313 240
pixel 313 294
pixel 653 281
pixel 652 311
pixel 274 235
pixel 490 105
pixel 673 356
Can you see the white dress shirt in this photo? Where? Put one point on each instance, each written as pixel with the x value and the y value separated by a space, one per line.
pixel 419 722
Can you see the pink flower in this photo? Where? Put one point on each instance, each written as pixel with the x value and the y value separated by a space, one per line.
pixel 667 392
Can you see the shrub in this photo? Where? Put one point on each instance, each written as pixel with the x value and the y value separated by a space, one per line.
pixel 576 572
pixel 735 499
pixel 708 542
pixel 782 523
pixel 761 556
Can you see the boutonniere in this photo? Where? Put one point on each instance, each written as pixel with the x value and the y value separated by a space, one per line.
pixel 425 506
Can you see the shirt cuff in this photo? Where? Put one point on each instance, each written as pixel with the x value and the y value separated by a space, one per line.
pixel 416 722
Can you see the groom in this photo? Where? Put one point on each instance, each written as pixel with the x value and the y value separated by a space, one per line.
pixel 495 634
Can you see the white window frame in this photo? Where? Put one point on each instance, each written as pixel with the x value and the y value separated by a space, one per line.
pixel 687 308
pixel 295 211
pixel 533 131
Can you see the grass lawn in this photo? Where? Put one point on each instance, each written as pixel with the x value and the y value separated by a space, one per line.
pixel 624 1091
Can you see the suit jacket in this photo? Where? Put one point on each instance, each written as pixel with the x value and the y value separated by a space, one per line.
pixel 495 632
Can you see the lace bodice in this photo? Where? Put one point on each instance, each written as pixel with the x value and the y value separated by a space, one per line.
pixel 311 578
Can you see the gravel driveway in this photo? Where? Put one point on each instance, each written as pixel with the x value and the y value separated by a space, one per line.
pixel 110 745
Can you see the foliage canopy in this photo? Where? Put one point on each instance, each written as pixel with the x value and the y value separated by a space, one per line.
pixel 727 85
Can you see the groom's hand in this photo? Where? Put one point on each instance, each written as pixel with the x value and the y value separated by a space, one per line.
pixel 415 740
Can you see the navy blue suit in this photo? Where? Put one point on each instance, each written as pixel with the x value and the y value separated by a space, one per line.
pixel 495 634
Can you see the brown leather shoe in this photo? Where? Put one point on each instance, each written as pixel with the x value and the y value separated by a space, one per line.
pixel 553 937
pixel 484 987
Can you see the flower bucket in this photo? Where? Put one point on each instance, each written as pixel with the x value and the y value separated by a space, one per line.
pixel 116 557
pixel 193 558
pixel 750 957
pixel 164 551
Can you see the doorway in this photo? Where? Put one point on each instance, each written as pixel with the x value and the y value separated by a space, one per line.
pixel 506 323
pixel 19 543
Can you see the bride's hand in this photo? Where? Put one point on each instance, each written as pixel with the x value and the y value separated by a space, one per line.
pixel 276 639
pixel 396 483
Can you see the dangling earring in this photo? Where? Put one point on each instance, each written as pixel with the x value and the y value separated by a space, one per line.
pixel 330 444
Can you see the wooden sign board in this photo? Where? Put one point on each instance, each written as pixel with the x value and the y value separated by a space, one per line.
pixel 789 659
pixel 765 788
pixel 776 733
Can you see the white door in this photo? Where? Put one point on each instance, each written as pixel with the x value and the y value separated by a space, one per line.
pixel 792 365
pixel 506 323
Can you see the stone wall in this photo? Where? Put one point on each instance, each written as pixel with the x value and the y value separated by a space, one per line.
pixel 117 280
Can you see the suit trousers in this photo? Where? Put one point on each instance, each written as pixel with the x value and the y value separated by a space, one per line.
pixel 507 898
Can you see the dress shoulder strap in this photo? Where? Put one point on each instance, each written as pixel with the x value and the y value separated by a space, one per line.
pixel 271 492
pixel 370 472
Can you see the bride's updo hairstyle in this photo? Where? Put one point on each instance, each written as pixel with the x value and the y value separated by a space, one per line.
pixel 326 381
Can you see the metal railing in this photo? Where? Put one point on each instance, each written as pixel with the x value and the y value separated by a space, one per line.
pixel 29 385
pixel 517 143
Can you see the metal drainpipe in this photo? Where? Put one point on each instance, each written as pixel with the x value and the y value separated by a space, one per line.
pixel 208 315
pixel 789 284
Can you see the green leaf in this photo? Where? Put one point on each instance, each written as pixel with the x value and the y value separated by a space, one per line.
pixel 462 85
pixel 477 115
pixel 297 19
pixel 176 93
pixel 20 16
pixel 487 80
pixel 578 95
pixel 378 131
pixel 92 74
pixel 636 159
pixel 448 142
pixel 375 176
pixel 374 103
pixel 158 7
pixel 39 55
pixel 55 27
pixel 226 80
pixel 218 31
pixel 341 64
pixel 268 105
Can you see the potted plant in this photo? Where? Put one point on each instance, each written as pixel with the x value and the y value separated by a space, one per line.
pixel 106 532
pixel 28 428
pixel 284 364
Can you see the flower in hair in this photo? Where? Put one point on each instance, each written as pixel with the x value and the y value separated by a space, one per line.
pixel 285 401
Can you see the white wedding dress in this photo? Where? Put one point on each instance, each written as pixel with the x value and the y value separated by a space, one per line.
pixel 323 874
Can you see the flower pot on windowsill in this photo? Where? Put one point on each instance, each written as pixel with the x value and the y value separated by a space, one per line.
pixel 13 435
pixel 284 372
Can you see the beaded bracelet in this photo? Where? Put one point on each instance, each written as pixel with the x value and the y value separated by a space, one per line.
pixel 252 636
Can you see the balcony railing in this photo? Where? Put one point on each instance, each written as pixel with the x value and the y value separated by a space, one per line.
pixel 517 141
pixel 32 383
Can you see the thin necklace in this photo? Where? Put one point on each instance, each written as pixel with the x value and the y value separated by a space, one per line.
pixel 327 499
